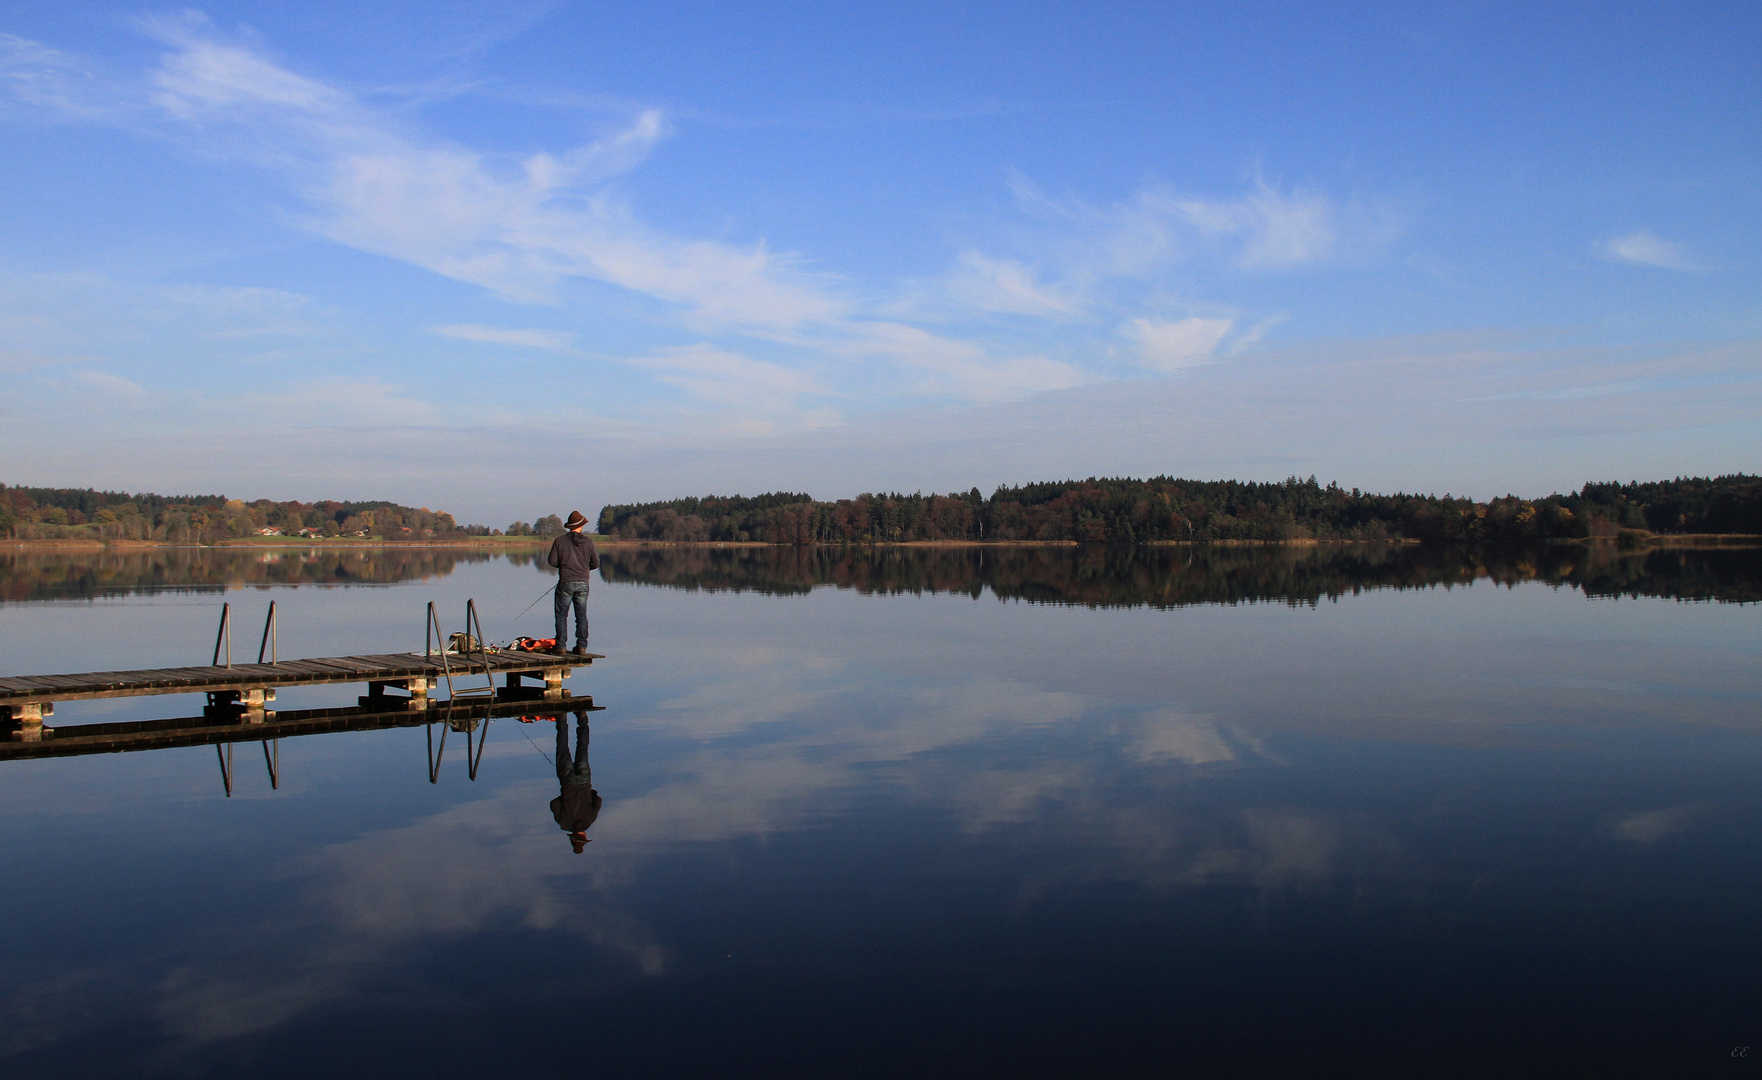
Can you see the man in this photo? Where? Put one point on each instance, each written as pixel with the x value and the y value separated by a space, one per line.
pixel 574 557
pixel 577 807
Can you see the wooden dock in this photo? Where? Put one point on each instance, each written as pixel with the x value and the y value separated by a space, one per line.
pixel 465 662
pixel 249 687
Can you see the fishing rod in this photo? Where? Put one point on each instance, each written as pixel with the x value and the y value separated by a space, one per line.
pixel 549 589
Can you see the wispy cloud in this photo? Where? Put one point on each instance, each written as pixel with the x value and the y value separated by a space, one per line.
pixel 1276 230
pixel 948 367
pixel 755 394
pixel 245 311
pixel 532 227
pixel 1255 333
pixel 1006 286
pixel 1655 825
pixel 1265 229
pixel 46 78
pixel 108 385
pixel 1172 346
pixel 1646 248
pixel 85 314
pixel 341 402
pixel 492 335
pixel 518 226
pixel 1171 735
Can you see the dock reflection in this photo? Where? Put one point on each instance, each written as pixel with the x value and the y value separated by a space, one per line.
pixel 225 727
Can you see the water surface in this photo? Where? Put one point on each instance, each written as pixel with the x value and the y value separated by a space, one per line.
pixel 1280 811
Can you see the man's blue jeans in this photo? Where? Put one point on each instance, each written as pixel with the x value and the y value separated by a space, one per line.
pixel 573 769
pixel 572 592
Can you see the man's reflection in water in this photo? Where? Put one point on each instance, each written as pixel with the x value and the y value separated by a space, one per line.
pixel 579 804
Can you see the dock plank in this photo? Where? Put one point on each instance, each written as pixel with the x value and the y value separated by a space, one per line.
pixel 396 659
pixel 172 679
pixel 38 683
pixel 390 663
pixel 345 665
pixel 304 668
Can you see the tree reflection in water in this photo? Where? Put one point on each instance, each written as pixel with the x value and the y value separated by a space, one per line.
pixel 77 575
pixel 1152 576
pixel 1165 577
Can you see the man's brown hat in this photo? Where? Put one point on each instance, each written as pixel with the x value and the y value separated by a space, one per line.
pixel 575 521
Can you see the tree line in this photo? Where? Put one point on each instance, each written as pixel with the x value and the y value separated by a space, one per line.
pixel 30 513
pixel 1092 511
pixel 1163 508
pixel 549 525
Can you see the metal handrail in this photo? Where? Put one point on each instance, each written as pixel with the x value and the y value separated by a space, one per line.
pixel 433 761
pixel 482 742
pixel 269 637
pixel 474 621
pixel 225 635
pixel 473 754
pixel 428 645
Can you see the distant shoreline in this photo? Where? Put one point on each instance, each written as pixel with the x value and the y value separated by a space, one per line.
pixel 504 543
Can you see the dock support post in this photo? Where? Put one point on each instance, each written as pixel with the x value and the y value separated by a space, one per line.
pixel 417 686
pixel 251 700
pixel 554 681
pixel 30 719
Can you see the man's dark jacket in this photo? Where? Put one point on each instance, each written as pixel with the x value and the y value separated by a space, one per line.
pixel 577 808
pixel 574 557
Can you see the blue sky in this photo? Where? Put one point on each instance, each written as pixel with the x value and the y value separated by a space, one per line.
pixel 500 257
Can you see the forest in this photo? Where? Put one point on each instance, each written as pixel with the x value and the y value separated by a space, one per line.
pixel 1162 508
pixel 1092 511
pixel 32 513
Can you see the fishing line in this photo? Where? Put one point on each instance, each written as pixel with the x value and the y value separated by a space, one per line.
pixel 548 590
pixel 536 750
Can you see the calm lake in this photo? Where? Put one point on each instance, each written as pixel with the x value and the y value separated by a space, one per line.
pixel 919 812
